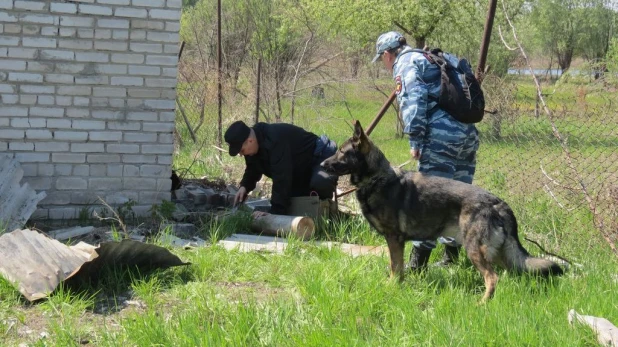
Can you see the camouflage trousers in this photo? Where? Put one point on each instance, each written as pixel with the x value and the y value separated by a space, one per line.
pixel 450 152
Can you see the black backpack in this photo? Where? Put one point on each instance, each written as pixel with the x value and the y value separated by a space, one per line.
pixel 460 92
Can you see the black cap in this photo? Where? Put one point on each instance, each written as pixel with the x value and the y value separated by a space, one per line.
pixel 236 135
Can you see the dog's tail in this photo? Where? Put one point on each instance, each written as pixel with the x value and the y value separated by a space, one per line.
pixel 517 258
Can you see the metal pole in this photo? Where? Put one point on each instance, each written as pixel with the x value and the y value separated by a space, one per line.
pixel 489 23
pixel 219 76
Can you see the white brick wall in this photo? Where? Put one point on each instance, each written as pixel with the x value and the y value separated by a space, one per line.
pixel 87 93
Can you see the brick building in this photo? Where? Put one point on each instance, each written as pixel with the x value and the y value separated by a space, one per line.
pixel 87 97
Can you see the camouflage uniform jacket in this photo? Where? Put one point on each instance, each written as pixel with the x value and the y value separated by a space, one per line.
pixel 418 86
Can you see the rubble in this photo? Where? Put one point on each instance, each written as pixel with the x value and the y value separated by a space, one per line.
pixel 17 203
pixel 36 264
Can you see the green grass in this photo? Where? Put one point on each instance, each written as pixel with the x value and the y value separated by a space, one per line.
pixel 312 296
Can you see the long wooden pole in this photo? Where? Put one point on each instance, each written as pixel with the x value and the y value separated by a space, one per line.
pixel 489 23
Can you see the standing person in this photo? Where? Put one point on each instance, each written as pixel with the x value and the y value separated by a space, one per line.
pixel 442 145
pixel 286 153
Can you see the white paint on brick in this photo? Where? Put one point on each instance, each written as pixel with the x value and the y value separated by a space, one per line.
pixel 77 21
pixel 127 58
pixel 51 146
pixel 30 5
pixel 160 104
pixel 112 69
pixel 105 183
pixel 25 77
pixel 102 34
pixel 57 7
pixel 146 47
pixel 103 158
pixel 29 122
pixel 86 147
pixel 166 138
pixel 140 137
pixel 95 10
pixel 114 170
pixel 164 14
pixel 162 37
pixel 161 82
pixel 111 46
pixel 68 32
pixel 81 101
pixel 144 93
pixel 27 99
pixel 70 67
pixel 59 78
pixel 53 54
pixel 72 158
pixel 174 3
pixel 47 111
pixel 113 23
pixel 74 90
pixel 164 184
pixel 144 70
pixel 6 4
pixel 122 148
pixel 32 157
pixel 8 17
pixel 13 111
pixel 56 123
pixel 46 100
pixel 169 60
pixel 105 136
pixel 88 124
pixel 71 135
pixel 63 100
pixel 8 99
pixel 140 183
pixel 92 57
pixel 46 170
pixel 147 24
pixel 114 2
pixel 127 81
pixel 130 12
pixel 109 92
pixel 85 33
pixel 95 79
pixel 78 112
pixel 31 29
pixel 164 159
pixel 149 3
pixel 131 126
pixel 120 35
pixel 39 18
pixel 15 65
pixel 172 26
pixel 62 169
pixel 71 183
pixel 157 149
pixel 75 44
pixel 49 31
pixel 7 88
pixel 158 127
pixel 38 134
pixel 26 53
pixel 36 89
pixel 40 66
pixel 9 41
pixel 38 183
pixel 21 146
pixel 139 159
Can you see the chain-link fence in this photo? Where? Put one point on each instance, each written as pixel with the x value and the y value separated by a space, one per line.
pixel 563 155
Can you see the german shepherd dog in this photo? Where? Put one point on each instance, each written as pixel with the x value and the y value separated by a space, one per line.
pixel 405 206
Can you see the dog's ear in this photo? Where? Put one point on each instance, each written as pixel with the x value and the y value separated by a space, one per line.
pixel 360 138
pixel 358 129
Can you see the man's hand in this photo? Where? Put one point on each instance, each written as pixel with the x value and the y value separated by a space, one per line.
pixel 258 214
pixel 415 153
pixel 241 196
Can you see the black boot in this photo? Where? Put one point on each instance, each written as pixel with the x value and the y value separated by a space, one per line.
pixel 419 257
pixel 451 254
